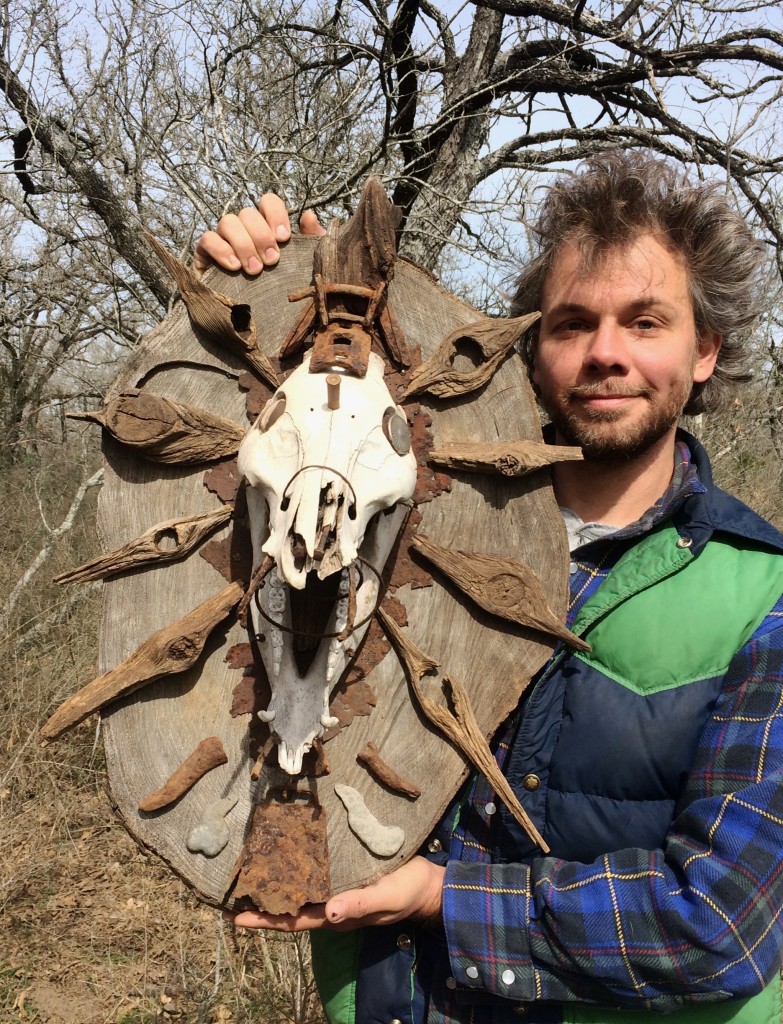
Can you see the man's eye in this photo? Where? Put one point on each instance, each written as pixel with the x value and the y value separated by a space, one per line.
pixel 645 324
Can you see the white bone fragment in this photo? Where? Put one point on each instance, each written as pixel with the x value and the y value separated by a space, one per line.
pixel 382 840
pixel 326 493
pixel 329 721
pixel 211 835
pixel 267 716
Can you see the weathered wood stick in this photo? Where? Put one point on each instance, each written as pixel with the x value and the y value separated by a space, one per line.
pixel 209 754
pixel 371 758
pixel 163 430
pixel 501 586
pixel 460 726
pixel 168 651
pixel 227 323
pixel 511 458
pixel 494 338
pixel 162 543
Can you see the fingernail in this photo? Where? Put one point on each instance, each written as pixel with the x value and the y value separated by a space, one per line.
pixel 254 265
pixel 336 911
pixel 271 255
pixel 282 232
pixel 234 262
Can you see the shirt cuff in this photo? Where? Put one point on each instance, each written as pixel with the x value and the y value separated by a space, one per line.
pixel 486 910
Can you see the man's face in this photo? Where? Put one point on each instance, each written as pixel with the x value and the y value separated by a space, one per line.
pixel 617 352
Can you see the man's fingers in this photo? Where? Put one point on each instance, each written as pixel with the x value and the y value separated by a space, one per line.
pixel 308 224
pixel 272 208
pixel 311 916
pixel 211 249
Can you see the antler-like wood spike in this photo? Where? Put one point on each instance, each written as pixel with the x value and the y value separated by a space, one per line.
pixel 494 339
pixel 162 543
pixel 460 726
pixel 501 586
pixel 163 430
pixel 227 323
pixel 510 458
pixel 168 651
pixel 415 662
pixel 362 251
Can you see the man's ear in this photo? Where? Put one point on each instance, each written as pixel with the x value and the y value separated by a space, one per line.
pixel 707 350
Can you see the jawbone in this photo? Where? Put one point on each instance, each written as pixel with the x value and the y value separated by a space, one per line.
pixel 298 712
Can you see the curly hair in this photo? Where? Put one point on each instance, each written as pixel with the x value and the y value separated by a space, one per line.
pixel 617 196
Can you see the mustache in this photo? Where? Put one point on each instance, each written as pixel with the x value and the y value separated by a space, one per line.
pixel 607 389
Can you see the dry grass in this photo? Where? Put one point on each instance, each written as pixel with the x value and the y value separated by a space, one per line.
pixel 94 930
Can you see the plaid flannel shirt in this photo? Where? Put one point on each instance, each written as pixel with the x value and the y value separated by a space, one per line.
pixel 653 929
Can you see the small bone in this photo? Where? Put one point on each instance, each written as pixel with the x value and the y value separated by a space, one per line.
pixel 171 649
pixel 333 390
pixel 211 835
pixel 267 716
pixel 371 758
pixel 382 840
pixel 329 721
pixel 208 754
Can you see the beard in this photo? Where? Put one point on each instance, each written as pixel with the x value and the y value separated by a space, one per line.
pixel 603 434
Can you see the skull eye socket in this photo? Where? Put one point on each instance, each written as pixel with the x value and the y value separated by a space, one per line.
pixel 271 412
pixel 397 431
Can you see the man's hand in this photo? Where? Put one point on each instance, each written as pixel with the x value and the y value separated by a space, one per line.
pixel 250 239
pixel 414 890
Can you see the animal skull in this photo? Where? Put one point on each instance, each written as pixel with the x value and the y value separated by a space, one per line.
pixel 324 499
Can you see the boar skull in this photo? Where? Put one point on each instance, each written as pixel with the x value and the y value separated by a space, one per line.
pixel 325 495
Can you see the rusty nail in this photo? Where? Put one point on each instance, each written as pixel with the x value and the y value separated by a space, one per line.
pixel 333 390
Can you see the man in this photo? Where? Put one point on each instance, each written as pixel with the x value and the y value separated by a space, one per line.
pixel 652 765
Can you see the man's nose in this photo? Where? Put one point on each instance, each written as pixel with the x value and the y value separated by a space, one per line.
pixel 608 348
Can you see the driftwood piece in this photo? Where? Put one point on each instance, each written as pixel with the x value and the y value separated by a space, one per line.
pixel 460 726
pixel 163 430
pixel 510 458
pixel 164 542
pixel 208 754
pixel 501 586
pixel 494 339
pixel 284 863
pixel 371 758
pixel 170 650
pixel 348 300
pixel 227 323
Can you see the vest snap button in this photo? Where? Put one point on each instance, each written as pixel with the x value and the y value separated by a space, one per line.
pixel 684 542
pixel 403 942
pixel 531 782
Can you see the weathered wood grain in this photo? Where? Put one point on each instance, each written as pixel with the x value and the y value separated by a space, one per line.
pixel 494 338
pixel 162 543
pixel 460 726
pixel 501 586
pixel 513 457
pixel 163 430
pixel 149 733
pixel 224 321
pixel 168 651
